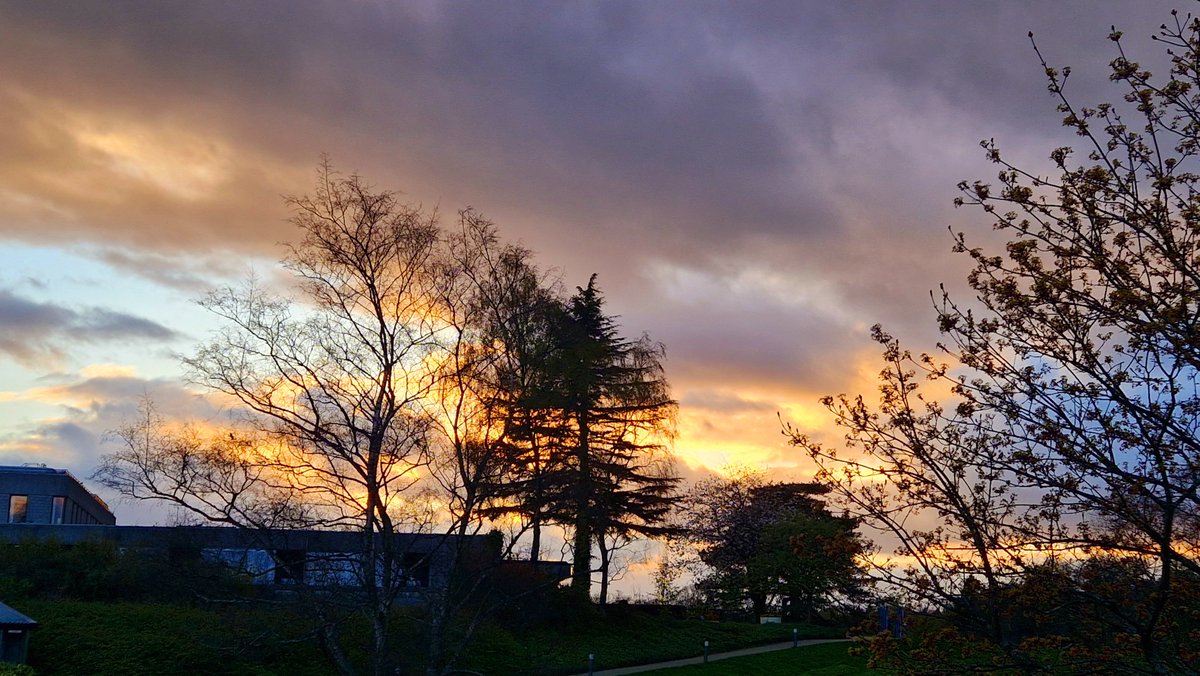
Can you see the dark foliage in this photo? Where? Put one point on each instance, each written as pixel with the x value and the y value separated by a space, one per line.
pixel 100 571
pixel 587 427
pixel 768 542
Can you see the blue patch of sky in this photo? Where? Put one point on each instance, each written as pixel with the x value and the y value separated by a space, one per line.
pixel 76 279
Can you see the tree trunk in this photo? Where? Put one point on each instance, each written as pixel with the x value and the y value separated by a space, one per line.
pixel 333 648
pixel 605 560
pixel 437 617
pixel 759 602
pixel 375 541
pixel 581 573
pixel 536 547
pixel 535 552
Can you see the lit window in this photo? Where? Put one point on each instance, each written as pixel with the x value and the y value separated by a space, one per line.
pixel 16 508
pixel 56 510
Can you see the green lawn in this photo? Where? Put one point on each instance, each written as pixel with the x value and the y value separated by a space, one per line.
pixel 99 638
pixel 827 659
pixel 620 639
pixel 87 637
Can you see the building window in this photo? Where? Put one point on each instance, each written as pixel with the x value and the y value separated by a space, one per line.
pixel 17 505
pixel 289 566
pixel 416 569
pixel 57 509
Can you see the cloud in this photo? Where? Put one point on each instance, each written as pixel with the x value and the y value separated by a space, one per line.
pixel 188 273
pixel 605 136
pixel 111 388
pixel 755 184
pixel 34 332
pixel 112 177
pixel 181 111
pixel 723 402
pixel 779 333
pixel 88 406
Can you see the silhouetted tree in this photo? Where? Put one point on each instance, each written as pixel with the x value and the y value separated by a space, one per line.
pixel 381 376
pixel 633 497
pixel 918 474
pixel 586 415
pixel 760 540
pixel 537 439
pixel 493 302
pixel 616 402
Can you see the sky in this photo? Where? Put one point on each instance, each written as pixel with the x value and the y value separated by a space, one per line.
pixel 755 184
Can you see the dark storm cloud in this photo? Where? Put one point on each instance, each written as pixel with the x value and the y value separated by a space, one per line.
pixel 517 101
pixel 32 331
pixel 688 137
pixel 976 55
pixel 674 124
pixel 817 141
pixel 734 333
pixel 800 351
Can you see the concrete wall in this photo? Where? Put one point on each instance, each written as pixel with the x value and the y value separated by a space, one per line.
pixel 328 558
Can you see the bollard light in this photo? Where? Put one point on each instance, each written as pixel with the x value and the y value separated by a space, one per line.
pixel 706 652
pixel 591 663
pixel 795 637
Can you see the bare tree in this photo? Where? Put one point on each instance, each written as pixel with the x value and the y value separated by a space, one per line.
pixel 490 295
pixel 220 477
pixel 918 475
pixel 348 389
pixel 403 381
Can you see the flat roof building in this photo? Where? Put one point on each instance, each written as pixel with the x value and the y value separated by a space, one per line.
pixel 279 557
pixel 44 504
pixel 49 496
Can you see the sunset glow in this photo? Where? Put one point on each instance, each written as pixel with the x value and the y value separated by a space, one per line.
pixel 754 187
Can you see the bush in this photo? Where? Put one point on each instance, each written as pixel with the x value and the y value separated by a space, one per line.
pixel 101 571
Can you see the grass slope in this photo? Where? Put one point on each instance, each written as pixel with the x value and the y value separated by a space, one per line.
pixel 619 639
pixel 100 638
pixel 87 637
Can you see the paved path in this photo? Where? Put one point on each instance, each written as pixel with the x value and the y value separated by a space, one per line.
pixel 770 647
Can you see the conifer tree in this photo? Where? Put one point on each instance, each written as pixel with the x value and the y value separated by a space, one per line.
pixel 617 405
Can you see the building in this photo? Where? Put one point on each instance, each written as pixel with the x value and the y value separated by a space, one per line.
pixel 14 635
pixel 49 496
pixel 52 505
pixel 283 558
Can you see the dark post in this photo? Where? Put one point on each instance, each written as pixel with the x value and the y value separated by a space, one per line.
pixel 706 652
pixel 591 663
pixel 795 637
